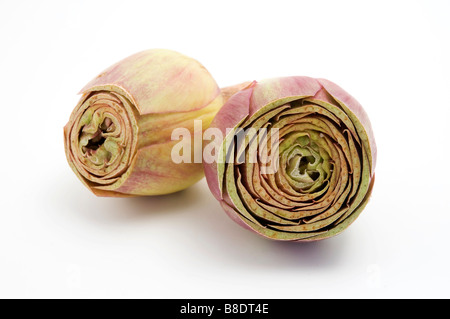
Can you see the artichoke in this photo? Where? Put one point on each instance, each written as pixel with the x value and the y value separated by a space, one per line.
pixel 118 139
pixel 324 158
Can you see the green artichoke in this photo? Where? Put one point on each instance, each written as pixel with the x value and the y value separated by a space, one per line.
pixel 324 159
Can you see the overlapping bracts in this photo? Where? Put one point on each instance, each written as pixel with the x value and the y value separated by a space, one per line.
pixel 325 157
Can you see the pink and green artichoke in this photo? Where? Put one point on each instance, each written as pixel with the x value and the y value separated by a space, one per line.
pixel 118 139
pixel 325 158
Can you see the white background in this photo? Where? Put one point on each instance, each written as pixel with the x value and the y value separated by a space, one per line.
pixel 59 240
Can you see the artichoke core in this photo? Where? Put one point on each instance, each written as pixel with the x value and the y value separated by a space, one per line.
pixel 97 140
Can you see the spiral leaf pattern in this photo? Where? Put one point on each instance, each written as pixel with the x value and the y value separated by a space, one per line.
pixel 324 157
